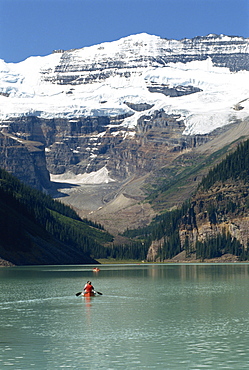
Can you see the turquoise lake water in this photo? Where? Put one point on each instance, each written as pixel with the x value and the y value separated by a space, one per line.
pixel 186 316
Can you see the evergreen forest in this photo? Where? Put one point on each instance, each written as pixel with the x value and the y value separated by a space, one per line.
pixel 235 167
pixel 26 215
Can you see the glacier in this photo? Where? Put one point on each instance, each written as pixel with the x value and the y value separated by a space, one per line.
pixel 95 177
pixel 99 81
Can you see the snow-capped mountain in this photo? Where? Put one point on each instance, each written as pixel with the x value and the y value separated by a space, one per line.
pixel 105 113
pixel 202 80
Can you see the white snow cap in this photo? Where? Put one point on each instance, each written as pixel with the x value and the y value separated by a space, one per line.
pixel 33 86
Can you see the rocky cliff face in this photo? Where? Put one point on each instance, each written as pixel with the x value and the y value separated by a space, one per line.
pixel 24 156
pixel 222 209
pixel 33 147
pixel 216 219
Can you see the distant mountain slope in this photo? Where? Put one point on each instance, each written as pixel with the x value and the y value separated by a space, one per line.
pixel 178 180
pixel 214 221
pixel 35 229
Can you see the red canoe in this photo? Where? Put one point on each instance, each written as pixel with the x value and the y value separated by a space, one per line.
pixel 90 294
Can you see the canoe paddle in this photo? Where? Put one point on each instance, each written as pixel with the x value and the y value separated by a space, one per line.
pixel 77 294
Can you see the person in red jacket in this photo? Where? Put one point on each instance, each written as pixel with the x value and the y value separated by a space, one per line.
pixel 88 289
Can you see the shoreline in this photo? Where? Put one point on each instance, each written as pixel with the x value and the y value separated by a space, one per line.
pixel 226 258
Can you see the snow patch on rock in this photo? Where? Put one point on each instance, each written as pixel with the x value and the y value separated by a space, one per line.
pixel 96 177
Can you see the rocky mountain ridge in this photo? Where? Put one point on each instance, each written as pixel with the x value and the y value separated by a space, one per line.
pixel 118 112
pixel 130 55
pixel 100 80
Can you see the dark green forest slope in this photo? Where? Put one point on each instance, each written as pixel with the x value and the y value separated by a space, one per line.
pixel 221 197
pixel 35 229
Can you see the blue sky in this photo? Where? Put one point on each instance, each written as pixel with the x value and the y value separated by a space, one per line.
pixel 37 27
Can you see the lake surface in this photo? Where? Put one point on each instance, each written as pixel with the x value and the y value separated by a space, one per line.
pixel 186 316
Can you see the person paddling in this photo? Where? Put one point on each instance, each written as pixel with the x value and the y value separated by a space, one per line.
pixel 86 285
pixel 88 289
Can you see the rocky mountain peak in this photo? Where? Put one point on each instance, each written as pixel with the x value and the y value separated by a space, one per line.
pixel 119 110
